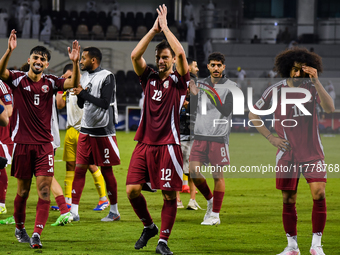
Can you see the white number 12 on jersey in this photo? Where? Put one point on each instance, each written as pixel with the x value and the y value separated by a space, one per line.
pixel 158 95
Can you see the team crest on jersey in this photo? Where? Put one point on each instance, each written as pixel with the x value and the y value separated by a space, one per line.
pixel 260 103
pixel 45 88
pixel 166 84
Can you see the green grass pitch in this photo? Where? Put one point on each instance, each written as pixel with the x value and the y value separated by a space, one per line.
pixel 250 216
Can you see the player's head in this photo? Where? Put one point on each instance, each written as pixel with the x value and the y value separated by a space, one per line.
pixel 216 64
pixel 193 68
pixel 39 58
pixel 67 71
pixel 289 63
pixel 90 59
pixel 165 57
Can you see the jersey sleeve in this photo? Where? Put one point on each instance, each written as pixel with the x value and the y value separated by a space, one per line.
pixel 144 77
pixel 264 102
pixel 183 80
pixel 13 80
pixel 59 83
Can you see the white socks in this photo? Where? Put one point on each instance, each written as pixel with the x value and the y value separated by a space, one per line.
pixel 316 241
pixel 74 209
pixel 292 241
pixel 114 209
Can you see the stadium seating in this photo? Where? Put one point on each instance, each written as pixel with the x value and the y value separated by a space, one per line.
pixel 97 32
pixel 127 33
pixel 67 31
pixel 82 32
pixel 140 32
pixel 112 33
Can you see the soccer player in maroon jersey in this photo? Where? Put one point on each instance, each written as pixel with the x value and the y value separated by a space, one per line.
pixel 33 151
pixel 298 142
pixel 157 157
pixel 6 143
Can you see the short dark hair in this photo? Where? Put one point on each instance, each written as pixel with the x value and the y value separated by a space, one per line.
pixel 190 60
pixel 68 67
pixel 41 50
pixel 94 53
pixel 284 61
pixel 218 56
pixel 165 45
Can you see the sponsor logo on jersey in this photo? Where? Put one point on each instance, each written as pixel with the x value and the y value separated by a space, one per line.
pixel 106 161
pixel 28 88
pixel 45 88
pixel 167 185
pixel 50 170
pixel 166 84
pixel 224 160
pixel 8 98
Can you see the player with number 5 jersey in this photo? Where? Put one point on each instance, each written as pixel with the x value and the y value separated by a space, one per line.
pixel 32 117
pixel 157 160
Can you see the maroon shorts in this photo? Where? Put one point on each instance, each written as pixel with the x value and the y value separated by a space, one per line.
pixel 288 173
pixel 210 152
pixel 99 151
pixel 161 165
pixel 29 159
pixel 6 151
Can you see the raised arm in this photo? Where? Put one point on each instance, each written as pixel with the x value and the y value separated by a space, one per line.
pixel 61 103
pixel 326 100
pixel 74 56
pixel 181 61
pixel 12 44
pixel 137 59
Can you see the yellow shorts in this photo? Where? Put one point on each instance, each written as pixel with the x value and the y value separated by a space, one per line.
pixel 70 144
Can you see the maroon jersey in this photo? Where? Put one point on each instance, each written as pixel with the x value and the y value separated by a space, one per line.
pixel 32 112
pixel 6 98
pixel 159 124
pixel 304 138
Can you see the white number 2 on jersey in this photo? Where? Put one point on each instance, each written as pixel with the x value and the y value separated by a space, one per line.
pixel 158 95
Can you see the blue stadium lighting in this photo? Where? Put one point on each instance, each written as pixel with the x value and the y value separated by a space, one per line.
pixel 225 39
pixel 275 24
